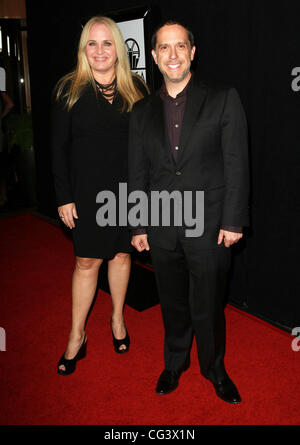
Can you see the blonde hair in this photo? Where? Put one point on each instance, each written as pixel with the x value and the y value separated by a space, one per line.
pixel 71 85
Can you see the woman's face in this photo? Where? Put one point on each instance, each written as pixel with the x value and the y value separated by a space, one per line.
pixel 101 51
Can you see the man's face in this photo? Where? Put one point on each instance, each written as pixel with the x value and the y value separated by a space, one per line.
pixel 173 53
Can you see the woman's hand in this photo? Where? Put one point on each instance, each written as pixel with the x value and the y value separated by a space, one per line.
pixel 67 213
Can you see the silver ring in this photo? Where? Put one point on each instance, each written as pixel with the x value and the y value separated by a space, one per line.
pixel 62 217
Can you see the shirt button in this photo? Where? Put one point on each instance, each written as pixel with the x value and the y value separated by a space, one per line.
pixel 176 103
pixel 176 125
pixel 176 148
pixel 178 173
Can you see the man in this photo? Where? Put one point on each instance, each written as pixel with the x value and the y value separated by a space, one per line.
pixel 191 137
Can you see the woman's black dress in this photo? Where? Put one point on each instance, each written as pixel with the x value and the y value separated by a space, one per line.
pixel 89 147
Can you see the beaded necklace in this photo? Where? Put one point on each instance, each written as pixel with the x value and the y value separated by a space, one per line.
pixel 104 89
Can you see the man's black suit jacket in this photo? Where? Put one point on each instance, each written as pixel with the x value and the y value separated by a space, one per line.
pixel 212 157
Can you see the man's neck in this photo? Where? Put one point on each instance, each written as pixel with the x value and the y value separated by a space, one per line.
pixel 175 88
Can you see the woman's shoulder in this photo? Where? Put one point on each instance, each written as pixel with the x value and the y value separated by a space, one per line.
pixel 61 90
pixel 140 84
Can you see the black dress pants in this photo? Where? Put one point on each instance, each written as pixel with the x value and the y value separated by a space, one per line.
pixel 191 285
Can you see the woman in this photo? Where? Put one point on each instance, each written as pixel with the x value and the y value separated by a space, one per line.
pixel 89 144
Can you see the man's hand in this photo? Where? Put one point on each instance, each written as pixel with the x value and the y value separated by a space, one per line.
pixel 66 213
pixel 140 242
pixel 229 237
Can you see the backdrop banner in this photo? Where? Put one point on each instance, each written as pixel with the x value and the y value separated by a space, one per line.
pixel 133 34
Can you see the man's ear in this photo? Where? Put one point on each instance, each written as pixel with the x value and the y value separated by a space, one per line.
pixel 154 56
pixel 193 52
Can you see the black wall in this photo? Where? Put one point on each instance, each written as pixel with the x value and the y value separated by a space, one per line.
pixel 250 44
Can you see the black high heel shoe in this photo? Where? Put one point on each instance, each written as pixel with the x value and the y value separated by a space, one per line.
pixel 118 343
pixel 70 365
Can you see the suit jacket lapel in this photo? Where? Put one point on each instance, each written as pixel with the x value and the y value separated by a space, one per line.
pixel 159 125
pixel 195 100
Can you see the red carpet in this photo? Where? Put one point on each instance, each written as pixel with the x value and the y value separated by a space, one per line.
pixel 108 389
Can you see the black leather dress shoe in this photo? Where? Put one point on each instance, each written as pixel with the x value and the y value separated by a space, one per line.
pixel 227 391
pixel 167 382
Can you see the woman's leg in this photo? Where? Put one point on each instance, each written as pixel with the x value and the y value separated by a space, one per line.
pixel 118 277
pixel 84 284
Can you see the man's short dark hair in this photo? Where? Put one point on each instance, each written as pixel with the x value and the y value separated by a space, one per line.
pixel 172 22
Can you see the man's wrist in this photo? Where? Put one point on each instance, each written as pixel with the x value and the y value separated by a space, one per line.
pixel 140 231
pixel 236 229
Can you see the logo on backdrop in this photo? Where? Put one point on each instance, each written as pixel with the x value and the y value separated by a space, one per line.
pixel 296 81
pixel 133 51
pixel 134 38
pixel 296 341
